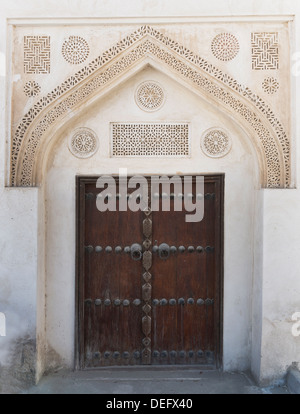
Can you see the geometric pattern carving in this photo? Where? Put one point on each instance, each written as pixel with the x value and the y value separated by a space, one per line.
pixel 225 46
pixel 265 51
pixel 75 50
pixel 32 88
pixel 215 143
pixel 240 100
pixel 270 85
pixel 83 143
pixel 149 96
pixel 151 140
pixel 36 55
pixel 147 288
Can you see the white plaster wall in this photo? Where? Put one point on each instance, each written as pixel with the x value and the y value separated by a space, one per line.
pixel 18 271
pixel 18 245
pixel 281 285
pixel 241 179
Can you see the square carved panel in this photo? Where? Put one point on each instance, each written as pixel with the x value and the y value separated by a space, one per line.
pixel 265 51
pixel 36 55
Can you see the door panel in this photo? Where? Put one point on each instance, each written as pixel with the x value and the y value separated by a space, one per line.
pixel 186 287
pixel 112 284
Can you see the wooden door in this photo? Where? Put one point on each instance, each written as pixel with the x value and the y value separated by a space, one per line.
pixel 148 306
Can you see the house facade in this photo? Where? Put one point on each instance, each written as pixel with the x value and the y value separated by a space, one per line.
pixel 149 88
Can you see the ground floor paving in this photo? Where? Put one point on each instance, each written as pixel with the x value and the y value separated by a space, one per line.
pixel 149 381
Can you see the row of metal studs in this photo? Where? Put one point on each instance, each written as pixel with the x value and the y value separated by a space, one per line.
pixel 173 249
pixel 156 302
pixel 156 354
pixel 208 196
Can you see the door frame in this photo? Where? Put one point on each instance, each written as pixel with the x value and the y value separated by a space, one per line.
pixel 81 181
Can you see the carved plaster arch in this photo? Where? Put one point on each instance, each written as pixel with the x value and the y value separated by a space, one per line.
pixel 253 114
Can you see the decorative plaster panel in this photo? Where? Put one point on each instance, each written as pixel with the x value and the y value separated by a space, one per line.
pixel 247 107
pixel 265 51
pixel 215 143
pixel 150 96
pixel 83 143
pixel 154 139
pixel 36 54
pixel 225 46
pixel 75 50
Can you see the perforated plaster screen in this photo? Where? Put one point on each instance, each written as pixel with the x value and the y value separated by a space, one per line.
pixel 150 139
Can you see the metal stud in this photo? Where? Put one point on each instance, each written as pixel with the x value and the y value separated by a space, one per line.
pixel 127 249
pixel 172 196
pixel 88 302
pixel 137 302
pixel 173 249
pixel 97 355
pixel 156 354
pixel 182 354
pixel 108 249
pixel 200 302
pixel 209 354
pixel 173 354
pixel 164 354
pixel 89 249
pixel 98 249
pixel 117 302
pixel 209 196
pixel 181 249
pixel 155 249
pixel 118 250
pixel 107 302
pixel 163 302
pixel 106 355
pixel 126 302
pixel 172 302
pixel 89 196
pixel 155 302
pixel 89 356
pixel 147 244
pixel 200 354
pixel 190 196
pixel 200 249
pixel 126 355
pixel 209 302
pixel 190 301
pixel 191 249
pixel 180 195
pixel 209 249
pixel 181 301
pixel 136 354
pixel 200 196
pixel 191 354
pixel 116 355
pixel 165 195
pixel 98 302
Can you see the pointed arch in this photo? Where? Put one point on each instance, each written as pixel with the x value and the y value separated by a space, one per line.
pixel 268 134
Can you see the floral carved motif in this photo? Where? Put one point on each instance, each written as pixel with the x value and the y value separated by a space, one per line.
pixel 83 143
pixel 215 143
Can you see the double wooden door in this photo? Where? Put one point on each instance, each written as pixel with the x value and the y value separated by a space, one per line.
pixel 149 284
